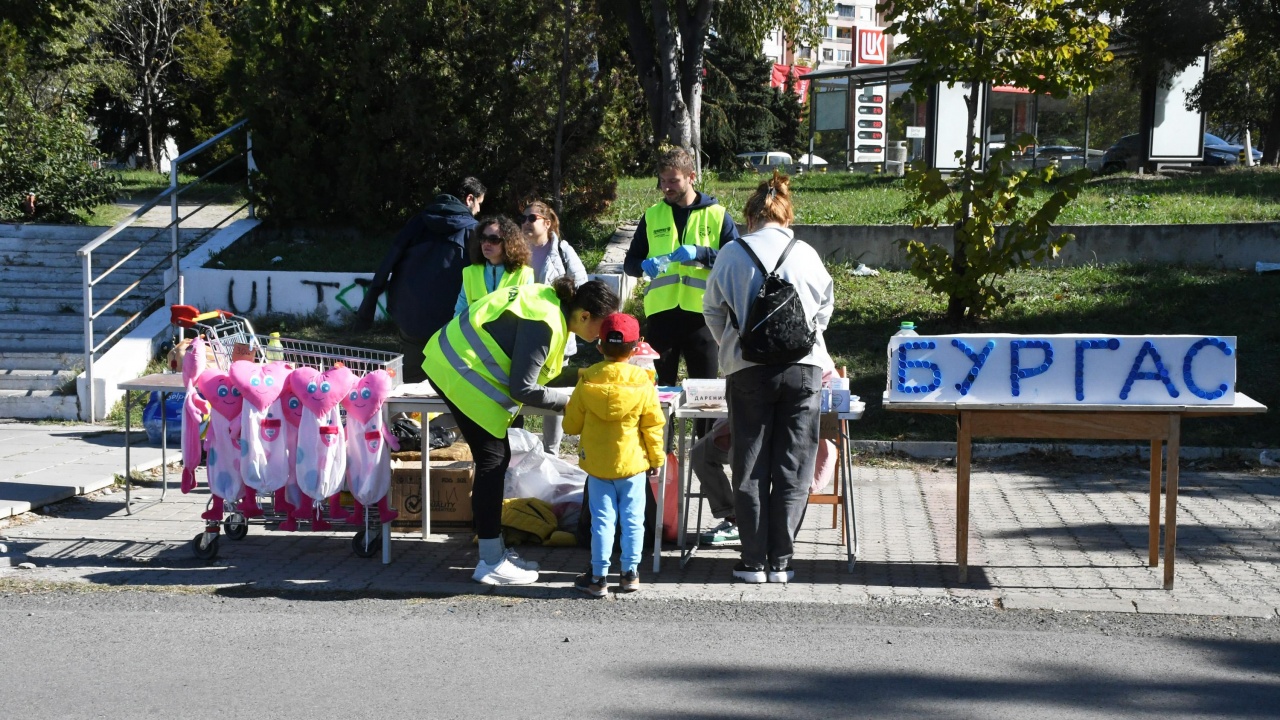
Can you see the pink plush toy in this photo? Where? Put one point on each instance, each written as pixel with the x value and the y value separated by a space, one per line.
pixel 222 439
pixel 368 460
pixel 194 408
pixel 289 499
pixel 264 450
pixel 321 454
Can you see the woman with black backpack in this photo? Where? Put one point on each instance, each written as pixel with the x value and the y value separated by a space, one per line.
pixel 768 299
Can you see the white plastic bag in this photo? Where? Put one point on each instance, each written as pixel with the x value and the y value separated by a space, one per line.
pixel 535 474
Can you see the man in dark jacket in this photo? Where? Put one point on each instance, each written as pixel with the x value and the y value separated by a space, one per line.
pixel 425 270
pixel 675 245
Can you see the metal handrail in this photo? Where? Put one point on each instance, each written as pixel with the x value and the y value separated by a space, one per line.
pixel 172 258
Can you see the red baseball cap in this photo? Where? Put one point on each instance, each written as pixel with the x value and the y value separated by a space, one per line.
pixel 619 329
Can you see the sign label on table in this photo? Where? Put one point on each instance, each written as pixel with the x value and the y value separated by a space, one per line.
pixel 1086 369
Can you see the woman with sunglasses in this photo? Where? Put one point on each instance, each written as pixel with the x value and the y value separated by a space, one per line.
pixel 503 352
pixel 499 259
pixel 551 258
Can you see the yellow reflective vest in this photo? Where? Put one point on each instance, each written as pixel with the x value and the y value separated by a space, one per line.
pixel 475 288
pixel 466 365
pixel 681 285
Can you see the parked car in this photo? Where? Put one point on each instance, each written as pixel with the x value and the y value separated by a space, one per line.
pixel 767 161
pixel 806 161
pixel 1126 153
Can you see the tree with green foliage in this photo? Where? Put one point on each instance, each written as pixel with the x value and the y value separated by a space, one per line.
pixel 741 112
pixel 668 39
pixel 362 112
pixel 1047 46
pixel 48 166
pixel 1240 92
pixel 1241 89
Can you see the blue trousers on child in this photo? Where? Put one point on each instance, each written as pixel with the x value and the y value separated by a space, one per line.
pixel 613 504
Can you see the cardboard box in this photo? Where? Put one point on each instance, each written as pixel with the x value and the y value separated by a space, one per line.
pixel 450 495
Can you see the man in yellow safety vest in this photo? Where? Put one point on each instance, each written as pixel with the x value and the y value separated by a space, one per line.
pixel 675 245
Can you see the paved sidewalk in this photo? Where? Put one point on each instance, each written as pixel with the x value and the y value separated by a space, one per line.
pixel 43 464
pixel 1046 533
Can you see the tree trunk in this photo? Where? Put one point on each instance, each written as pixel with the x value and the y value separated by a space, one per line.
pixel 558 153
pixel 675 113
pixel 957 304
pixel 694 27
pixel 149 142
pixel 1271 147
pixel 640 39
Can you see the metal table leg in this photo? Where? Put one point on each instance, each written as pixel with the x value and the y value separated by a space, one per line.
pixel 128 477
pixel 164 445
pixel 850 509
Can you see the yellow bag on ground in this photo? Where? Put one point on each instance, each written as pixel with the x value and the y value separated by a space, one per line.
pixel 528 520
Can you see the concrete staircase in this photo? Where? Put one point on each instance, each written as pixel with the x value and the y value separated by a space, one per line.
pixel 42 305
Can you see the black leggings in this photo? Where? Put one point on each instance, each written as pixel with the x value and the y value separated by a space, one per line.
pixel 492 456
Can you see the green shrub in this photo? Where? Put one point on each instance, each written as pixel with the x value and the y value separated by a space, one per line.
pixel 52 158
pixel 362 112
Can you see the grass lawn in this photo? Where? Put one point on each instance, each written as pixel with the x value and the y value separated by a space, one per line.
pixel 1118 299
pixel 140 186
pixel 1242 195
pixel 1246 194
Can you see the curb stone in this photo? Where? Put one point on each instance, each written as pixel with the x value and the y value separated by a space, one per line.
pixel 1041 602
pixel 939 450
pixel 1173 607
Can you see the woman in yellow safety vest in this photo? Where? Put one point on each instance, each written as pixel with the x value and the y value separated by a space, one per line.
pixel 499 259
pixel 500 353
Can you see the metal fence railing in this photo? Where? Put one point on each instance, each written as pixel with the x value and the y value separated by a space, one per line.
pixel 135 278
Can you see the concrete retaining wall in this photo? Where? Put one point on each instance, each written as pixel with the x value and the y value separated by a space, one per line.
pixel 1232 245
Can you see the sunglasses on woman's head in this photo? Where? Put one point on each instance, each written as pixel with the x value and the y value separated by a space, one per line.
pixel 531 217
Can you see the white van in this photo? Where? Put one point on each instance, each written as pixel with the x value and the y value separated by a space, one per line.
pixel 766 161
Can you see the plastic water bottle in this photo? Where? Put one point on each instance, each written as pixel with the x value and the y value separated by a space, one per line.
pixel 662 262
pixel 906 329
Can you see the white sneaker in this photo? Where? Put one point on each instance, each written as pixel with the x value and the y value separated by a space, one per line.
pixel 504 573
pixel 520 562
pixel 783 575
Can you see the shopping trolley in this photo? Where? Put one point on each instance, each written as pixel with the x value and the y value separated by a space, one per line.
pixel 232 337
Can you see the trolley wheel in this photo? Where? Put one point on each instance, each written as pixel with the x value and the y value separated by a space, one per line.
pixel 201 549
pixel 366 545
pixel 235 526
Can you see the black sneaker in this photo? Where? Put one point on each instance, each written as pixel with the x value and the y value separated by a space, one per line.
pixel 581 582
pixel 780 573
pixel 749 573
pixel 598 587
pixel 630 581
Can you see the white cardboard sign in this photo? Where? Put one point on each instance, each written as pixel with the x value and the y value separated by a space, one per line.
pixel 1087 369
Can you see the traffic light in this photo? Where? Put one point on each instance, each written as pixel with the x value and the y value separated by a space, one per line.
pixel 870 109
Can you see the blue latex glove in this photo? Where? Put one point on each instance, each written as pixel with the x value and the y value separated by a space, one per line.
pixel 684 253
pixel 650 268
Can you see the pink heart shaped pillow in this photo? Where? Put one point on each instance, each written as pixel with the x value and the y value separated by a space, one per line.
pixel 321 392
pixel 366 398
pixel 260 384
pixel 193 362
pixel 291 405
pixel 223 396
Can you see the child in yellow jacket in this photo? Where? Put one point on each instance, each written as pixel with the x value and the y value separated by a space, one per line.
pixel 614 410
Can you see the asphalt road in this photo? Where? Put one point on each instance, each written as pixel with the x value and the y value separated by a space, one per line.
pixel 126 654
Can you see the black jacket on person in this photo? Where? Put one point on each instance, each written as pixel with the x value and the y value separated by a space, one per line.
pixel 425 269
pixel 639 248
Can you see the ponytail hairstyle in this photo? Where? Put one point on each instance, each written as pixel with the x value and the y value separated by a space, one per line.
pixel 593 296
pixel 540 208
pixel 771 202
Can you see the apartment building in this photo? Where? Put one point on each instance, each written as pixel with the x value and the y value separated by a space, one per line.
pixel 840 40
